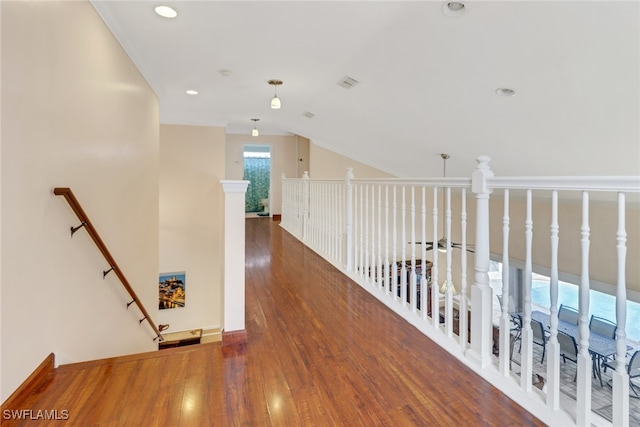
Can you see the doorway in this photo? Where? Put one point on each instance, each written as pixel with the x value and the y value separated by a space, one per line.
pixel 257 170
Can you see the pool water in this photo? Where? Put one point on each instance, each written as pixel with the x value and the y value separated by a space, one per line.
pixel 600 304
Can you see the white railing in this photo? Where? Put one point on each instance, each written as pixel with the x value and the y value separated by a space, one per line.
pixel 387 235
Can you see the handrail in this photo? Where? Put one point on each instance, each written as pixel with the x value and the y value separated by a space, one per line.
pixel 113 266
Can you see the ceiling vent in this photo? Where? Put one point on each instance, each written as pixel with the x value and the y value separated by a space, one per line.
pixel 348 82
pixel 308 114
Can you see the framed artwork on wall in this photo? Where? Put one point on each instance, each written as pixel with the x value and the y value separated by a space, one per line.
pixel 172 290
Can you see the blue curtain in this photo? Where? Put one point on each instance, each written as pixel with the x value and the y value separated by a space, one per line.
pixel 256 170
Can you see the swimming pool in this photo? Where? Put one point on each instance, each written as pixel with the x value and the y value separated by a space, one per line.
pixel 600 304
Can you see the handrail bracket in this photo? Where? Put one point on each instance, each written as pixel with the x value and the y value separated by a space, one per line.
pixel 74 229
pixel 105 272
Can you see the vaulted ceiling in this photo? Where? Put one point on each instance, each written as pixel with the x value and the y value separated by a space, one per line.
pixel 426 78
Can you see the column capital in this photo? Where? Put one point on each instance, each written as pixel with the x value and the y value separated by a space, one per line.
pixel 234 186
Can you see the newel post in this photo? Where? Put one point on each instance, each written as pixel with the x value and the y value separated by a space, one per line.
pixel 233 289
pixel 481 292
pixel 349 218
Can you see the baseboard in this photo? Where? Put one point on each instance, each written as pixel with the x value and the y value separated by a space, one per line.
pixel 211 335
pixel 32 382
pixel 233 338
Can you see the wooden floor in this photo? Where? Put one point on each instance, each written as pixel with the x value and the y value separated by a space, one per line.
pixel 320 352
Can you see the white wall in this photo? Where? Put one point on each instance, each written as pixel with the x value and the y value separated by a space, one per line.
pixel 75 113
pixel 288 155
pixel 327 164
pixel 191 221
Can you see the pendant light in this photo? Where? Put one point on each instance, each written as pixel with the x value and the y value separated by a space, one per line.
pixel 442 243
pixel 255 132
pixel 275 102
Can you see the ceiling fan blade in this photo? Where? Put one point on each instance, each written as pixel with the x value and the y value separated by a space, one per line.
pixel 470 248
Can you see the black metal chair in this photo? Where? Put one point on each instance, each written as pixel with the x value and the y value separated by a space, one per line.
pixel 539 337
pixel 568 314
pixel 602 327
pixel 568 349
pixel 633 370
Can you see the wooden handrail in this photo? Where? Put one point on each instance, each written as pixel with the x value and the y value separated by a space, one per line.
pixel 85 222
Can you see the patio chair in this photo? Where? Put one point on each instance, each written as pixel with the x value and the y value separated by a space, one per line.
pixel 539 337
pixel 602 327
pixel 633 370
pixel 568 349
pixel 568 314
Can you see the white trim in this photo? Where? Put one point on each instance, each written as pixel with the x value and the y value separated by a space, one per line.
pixel 234 186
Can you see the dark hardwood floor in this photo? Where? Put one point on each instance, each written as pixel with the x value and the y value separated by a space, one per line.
pixel 321 352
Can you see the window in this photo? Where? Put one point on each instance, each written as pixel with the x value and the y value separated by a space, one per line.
pixel 600 304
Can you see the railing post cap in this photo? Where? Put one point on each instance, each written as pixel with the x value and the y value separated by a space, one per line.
pixel 480 175
pixel 305 175
pixel 483 162
pixel 350 174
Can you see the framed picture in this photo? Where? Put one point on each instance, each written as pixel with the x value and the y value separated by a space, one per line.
pixel 172 290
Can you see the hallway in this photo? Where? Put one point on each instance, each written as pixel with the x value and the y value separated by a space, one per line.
pixel 321 352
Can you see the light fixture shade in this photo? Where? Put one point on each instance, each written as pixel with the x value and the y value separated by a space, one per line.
pixel 443 288
pixel 255 132
pixel 275 103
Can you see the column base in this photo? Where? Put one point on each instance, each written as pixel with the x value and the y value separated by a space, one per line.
pixel 234 338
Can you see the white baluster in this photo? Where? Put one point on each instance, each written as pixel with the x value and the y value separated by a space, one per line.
pixel 367 267
pixel 424 289
pixel 305 204
pixel 463 314
pixel 526 360
pixel 620 376
pixel 448 294
pixel 349 219
pixel 403 270
pixel 435 298
pixel 394 281
pixel 583 415
pixel 361 189
pixel 379 269
pixel 356 231
pixel 373 234
pixel 412 281
pixel 553 347
pixel 387 265
pixel 505 323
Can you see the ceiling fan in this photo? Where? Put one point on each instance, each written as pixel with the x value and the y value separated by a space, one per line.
pixel 442 243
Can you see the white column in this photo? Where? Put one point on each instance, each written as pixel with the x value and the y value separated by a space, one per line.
pixel 481 293
pixel 233 289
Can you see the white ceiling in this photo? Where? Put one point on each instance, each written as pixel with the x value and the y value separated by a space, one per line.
pixel 426 78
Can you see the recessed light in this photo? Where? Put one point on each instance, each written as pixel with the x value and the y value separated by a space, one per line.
pixel 166 12
pixel 453 8
pixel 505 91
pixel 192 92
